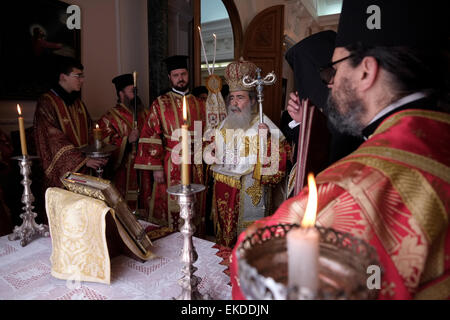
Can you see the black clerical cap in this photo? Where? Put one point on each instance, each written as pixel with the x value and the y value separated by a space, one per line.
pixel 305 58
pixel 412 23
pixel 176 62
pixel 122 81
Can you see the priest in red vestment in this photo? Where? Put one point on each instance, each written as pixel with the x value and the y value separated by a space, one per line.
pixel 62 125
pixel 119 129
pixel 387 86
pixel 243 181
pixel 156 146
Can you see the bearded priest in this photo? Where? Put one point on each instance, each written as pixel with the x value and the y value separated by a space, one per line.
pixel 243 175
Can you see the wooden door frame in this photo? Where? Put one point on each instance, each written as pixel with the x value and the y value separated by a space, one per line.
pixel 272 53
pixel 236 25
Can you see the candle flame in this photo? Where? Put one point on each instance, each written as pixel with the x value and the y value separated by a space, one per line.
pixel 96 126
pixel 184 109
pixel 19 110
pixel 311 207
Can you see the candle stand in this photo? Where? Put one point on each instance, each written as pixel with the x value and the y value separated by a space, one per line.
pixel 29 229
pixel 98 150
pixel 189 281
pixel 343 261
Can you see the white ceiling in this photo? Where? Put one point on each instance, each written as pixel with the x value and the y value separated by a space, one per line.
pixel 326 7
pixel 212 10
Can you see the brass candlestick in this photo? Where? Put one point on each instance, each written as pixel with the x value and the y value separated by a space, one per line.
pixel 189 281
pixel 29 228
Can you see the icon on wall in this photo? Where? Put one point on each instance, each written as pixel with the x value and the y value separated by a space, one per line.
pixel 33 37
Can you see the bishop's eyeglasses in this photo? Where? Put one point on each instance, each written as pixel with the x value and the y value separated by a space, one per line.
pixel 328 72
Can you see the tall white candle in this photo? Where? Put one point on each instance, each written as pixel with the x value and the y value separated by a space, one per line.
pixel 214 53
pixel 204 51
pixel 303 247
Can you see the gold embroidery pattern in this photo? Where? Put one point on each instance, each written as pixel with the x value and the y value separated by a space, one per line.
pixel 82 163
pixel 437 116
pixel 227 214
pixel 234 183
pixel 147 167
pixel 440 290
pixel 250 146
pixel 426 164
pixel 421 202
pixel 84 190
pixel 255 192
pixel 77 227
pixel 150 140
pixel 56 158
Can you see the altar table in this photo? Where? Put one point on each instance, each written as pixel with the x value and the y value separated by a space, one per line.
pixel 25 273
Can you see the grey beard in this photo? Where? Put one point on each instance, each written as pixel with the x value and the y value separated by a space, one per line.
pixel 349 122
pixel 238 120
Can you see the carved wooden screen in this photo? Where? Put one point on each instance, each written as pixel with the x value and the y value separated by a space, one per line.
pixel 263 45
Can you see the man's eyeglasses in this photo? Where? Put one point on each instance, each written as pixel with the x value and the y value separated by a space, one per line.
pixel 77 75
pixel 328 72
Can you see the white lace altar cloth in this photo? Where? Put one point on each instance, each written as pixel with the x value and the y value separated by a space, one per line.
pixel 25 274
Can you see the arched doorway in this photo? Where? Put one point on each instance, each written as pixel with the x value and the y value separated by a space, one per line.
pixel 226 39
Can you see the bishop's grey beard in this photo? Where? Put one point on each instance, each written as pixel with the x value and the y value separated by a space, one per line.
pixel 238 120
pixel 350 121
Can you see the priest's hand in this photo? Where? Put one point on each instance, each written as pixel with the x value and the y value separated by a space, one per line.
pixel 263 126
pixel 158 175
pixel 133 136
pixel 293 107
pixel 96 163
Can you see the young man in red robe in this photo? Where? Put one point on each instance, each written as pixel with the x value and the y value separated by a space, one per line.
pixel 393 191
pixel 119 129
pixel 156 146
pixel 62 125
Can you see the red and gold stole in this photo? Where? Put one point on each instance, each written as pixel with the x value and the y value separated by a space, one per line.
pixel 400 180
pixel 74 123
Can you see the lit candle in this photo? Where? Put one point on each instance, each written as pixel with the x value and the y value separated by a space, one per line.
pixel 303 247
pixel 97 133
pixel 134 78
pixel 185 147
pixel 23 141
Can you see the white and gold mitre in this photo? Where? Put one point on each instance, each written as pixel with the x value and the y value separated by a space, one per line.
pixel 236 71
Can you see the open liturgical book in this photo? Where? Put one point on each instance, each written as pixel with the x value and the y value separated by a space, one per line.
pixel 78 227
